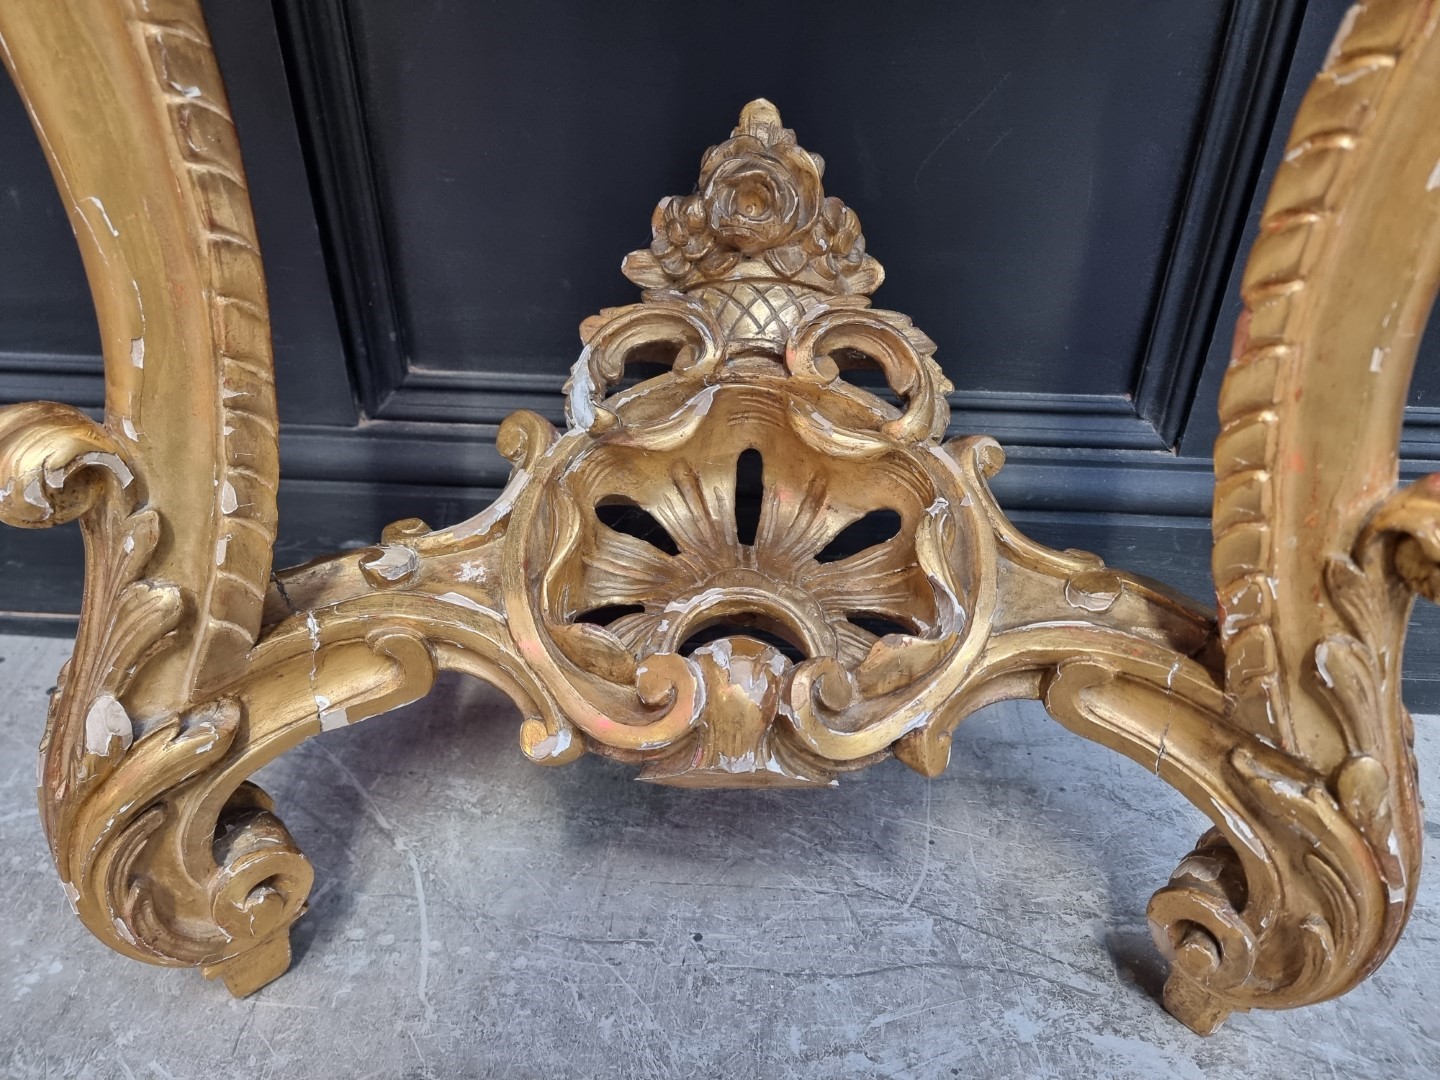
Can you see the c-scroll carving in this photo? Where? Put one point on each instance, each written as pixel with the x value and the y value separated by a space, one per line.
pixel 175 489
pixel 1316 556
pixel 618 591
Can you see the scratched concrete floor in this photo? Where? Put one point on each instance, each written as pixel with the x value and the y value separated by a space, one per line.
pixel 478 916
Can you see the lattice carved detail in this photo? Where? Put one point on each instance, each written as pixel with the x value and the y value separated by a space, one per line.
pixel 640 595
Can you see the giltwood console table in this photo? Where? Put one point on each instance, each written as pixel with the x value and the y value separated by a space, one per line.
pixel 1279 716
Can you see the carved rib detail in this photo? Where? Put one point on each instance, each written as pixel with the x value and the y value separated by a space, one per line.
pixel 228 607
pixel 1312 608
pixel 1263 391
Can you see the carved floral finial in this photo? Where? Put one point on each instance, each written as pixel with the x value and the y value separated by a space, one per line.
pixel 759 213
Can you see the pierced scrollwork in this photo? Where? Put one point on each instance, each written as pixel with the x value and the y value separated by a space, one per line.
pixel 693 577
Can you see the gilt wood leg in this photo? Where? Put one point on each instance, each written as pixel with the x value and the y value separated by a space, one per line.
pixel 591 591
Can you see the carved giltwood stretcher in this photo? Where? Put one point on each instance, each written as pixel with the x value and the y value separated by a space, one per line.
pixel 1280 718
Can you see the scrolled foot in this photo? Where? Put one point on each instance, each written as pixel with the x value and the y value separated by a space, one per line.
pixel 1189 1002
pixel 254 968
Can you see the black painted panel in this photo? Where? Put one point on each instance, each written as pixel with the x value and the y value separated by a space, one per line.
pixel 44 302
pixel 1018 167
pixel 311 374
pixel 1422 437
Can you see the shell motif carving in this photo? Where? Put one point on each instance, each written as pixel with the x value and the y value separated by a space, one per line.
pixel 641 562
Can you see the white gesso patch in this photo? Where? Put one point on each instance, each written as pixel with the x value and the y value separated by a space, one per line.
pixel 1433 184
pixel 1345 78
pixel 483 521
pixel 35 496
pixel 137 352
pixel 221 547
pixel 55 478
pixel 229 501
pixel 396 561
pixel 107 720
pixel 465 602
pixel 553 745
pixel 103 215
pixel 1342 35
pixel 1322 661
pixel 582 390
pixel 128 426
pixel 330 718
pixel 205 736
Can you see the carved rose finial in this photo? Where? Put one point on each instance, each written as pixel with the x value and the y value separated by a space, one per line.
pixel 759 213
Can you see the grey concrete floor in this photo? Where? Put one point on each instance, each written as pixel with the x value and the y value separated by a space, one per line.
pixel 479 916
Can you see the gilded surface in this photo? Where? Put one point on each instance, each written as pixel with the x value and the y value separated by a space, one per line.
pixel 673 580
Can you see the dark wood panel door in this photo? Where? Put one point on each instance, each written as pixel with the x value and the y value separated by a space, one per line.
pixel 1018 167
pixel 1046 183
pixel 1061 194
